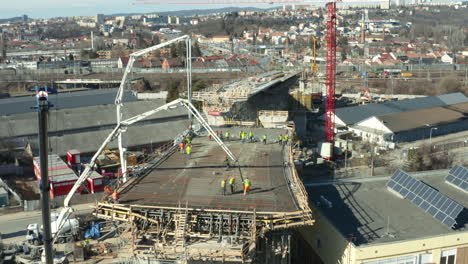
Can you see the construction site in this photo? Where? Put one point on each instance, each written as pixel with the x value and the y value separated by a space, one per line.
pixel 269 168
pixel 177 210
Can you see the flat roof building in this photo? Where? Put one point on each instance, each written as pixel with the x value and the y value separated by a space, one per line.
pixel 363 222
pixel 347 116
pixel 413 125
pixel 84 119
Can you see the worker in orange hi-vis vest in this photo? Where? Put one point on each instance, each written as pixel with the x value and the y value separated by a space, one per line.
pixel 115 196
pixel 247 185
pixel 107 190
pixel 182 147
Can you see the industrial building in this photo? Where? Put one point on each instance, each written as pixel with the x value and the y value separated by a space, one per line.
pixel 367 222
pixel 348 116
pixel 84 119
pixel 387 130
pixel 392 122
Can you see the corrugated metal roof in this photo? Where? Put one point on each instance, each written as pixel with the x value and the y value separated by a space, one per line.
pixel 22 105
pixel 65 177
pixel 355 114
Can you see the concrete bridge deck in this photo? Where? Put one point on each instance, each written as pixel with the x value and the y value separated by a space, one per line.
pixel 197 180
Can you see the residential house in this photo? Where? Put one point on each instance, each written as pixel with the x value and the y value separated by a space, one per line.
pixel 122 62
pixel 220 38
pixel 170 63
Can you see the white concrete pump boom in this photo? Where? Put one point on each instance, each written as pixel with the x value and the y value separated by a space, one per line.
pixel 119 97
pixel 67 209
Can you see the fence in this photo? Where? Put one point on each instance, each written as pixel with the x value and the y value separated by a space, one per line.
pixel 150 96
pixel 449 146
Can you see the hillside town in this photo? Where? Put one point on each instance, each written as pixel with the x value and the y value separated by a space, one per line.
pixel 315 133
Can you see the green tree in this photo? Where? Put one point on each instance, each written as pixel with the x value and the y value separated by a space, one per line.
pixel 173 51
pixel 173 92
pixel 196 52
pixel 199 85
pixel 156 40
pixel 342 42
pixel 344 55
pixel 181 51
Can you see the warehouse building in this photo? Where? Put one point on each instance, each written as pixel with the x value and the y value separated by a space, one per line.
pixel 83 120
pixel 390 129
pixel 368 221
pixel 348 116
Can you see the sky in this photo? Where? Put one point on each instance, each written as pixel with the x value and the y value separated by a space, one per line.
pixel 55 8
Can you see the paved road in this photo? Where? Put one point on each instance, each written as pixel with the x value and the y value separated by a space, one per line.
pixel 13 226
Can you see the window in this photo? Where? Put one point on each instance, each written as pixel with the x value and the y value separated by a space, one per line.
pixel 399 260
pixel 448 256
pixel 425 258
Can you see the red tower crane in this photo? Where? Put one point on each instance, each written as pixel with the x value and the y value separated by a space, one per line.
pixel 330 73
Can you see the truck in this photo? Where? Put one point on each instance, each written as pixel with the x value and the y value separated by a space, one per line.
pixel 69 231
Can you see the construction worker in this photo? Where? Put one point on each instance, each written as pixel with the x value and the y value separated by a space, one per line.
pixel 250 136
pixel 232 182
pixel 107 190
pixel 115 197
pixel 223 186
pixel 228 162
pixel 280 139
pixel 182 146
pixel 264 139
pixel 227 135
pixel 221 134
pixel 188 140
pixel 240 134
pixel 247 185
pixel 188 150
pixel 286 138
pixel 243 137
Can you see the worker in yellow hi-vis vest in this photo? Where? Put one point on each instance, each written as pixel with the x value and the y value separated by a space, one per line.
pixel 223 186
pixel 232 182
pixel 188 150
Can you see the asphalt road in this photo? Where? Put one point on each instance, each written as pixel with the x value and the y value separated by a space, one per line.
pixel 13 226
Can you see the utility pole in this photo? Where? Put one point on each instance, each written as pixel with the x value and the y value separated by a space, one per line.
pixel 346 158
pixel 372 161
pixel 43 111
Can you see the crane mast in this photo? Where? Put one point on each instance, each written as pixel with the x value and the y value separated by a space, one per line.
pixel 330 73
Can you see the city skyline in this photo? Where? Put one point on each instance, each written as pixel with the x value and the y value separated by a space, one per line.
pixel 55 8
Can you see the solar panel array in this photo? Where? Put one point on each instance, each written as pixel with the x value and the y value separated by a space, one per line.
pixel 423 196
pixel 458 176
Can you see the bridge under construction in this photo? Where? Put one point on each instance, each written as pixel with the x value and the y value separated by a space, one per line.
pixel 176 210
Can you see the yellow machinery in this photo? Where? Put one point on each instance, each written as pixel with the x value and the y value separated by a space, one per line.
pixel 314 67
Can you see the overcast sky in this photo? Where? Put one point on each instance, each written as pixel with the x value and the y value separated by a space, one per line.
pixel 55 8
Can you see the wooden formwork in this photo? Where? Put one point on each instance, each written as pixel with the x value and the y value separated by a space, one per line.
pixel 173 233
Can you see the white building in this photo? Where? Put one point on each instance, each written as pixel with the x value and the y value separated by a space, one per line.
pixel 386 130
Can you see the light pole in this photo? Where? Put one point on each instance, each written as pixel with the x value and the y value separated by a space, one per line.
pixel 345 158
pixel 430 135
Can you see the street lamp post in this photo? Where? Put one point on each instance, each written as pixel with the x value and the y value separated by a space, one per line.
pixel 430 134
